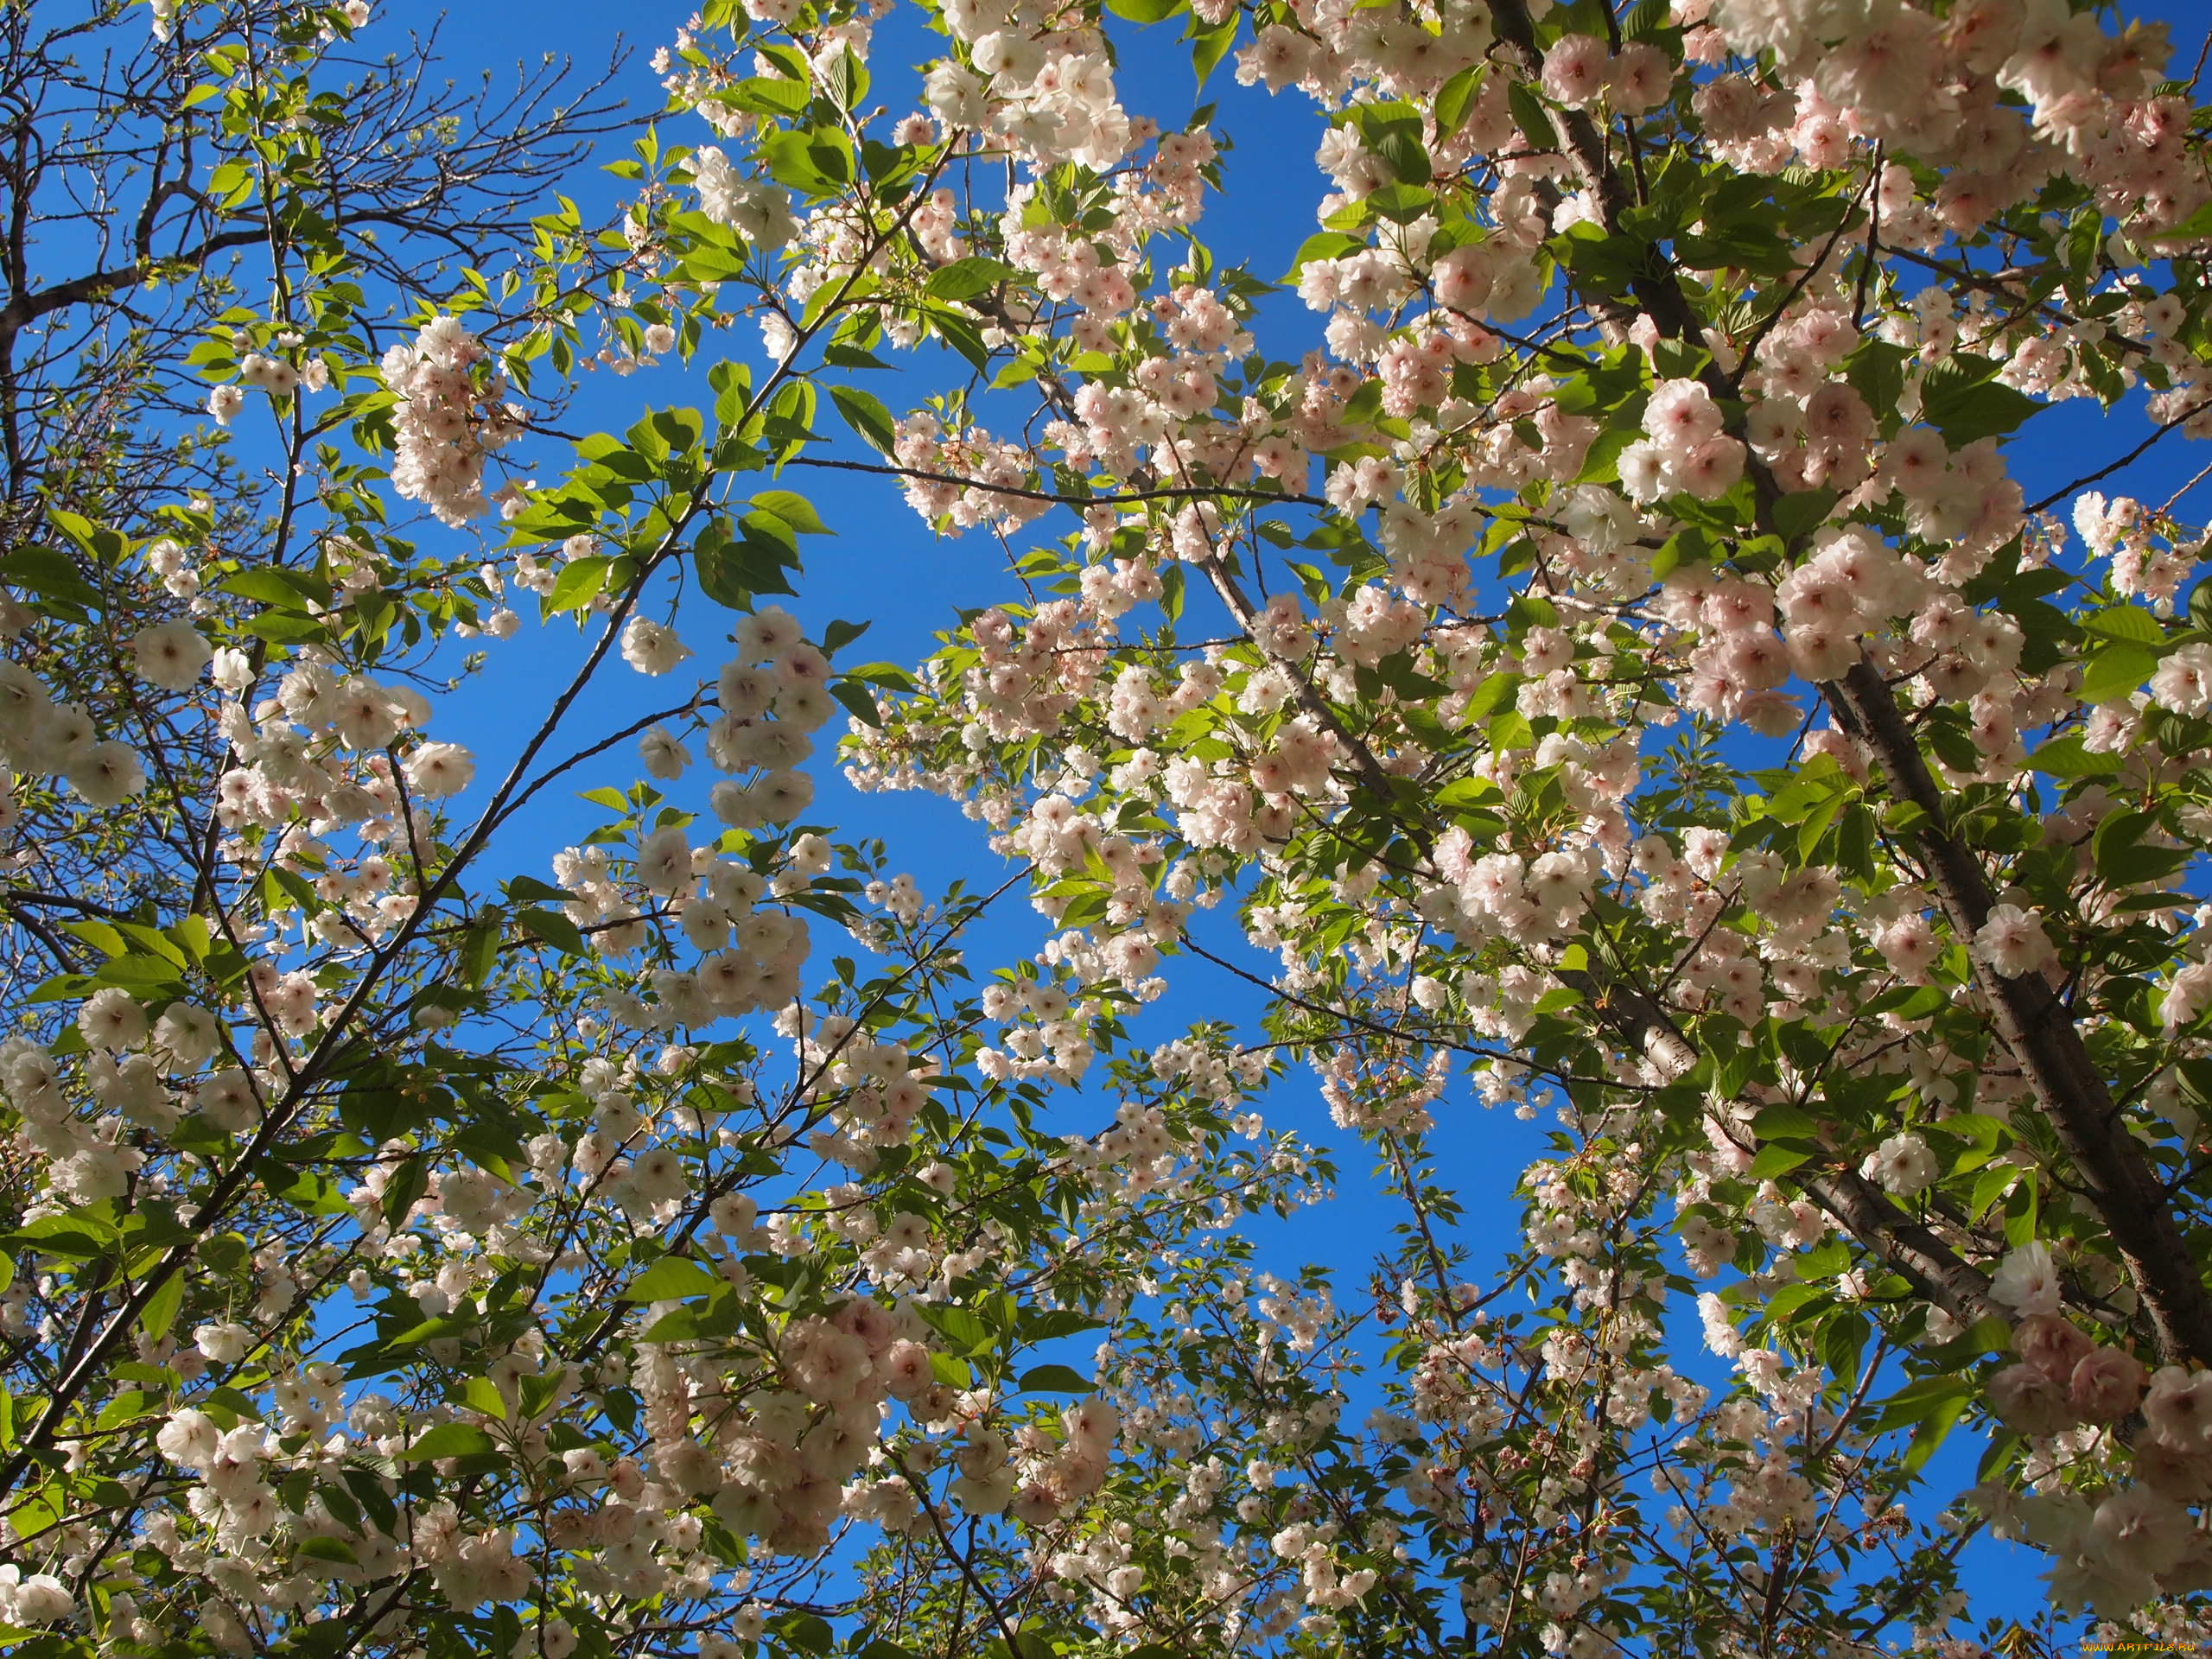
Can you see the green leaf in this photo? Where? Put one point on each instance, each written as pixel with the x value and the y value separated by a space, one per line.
pixel 818 162
pixel 732 384
pixel 1775 1160
pixel 2116 672
pixel 1511 730
pixel 1802 513
pixel 1815 825
pixel 1055 1379
pixel 848 79
pixel 764 545
pixel 1932 1430
pixel 2117 834
pixel 678 429
pixel 865 413
pixel 1783 1122
pixel 1400 148
pixel 1209 47
pixel 671 1279
pixel 1456 98
pixel 1960 399
pixel 1843 1339
pixel 291 589
pixel 1605 262
pixel 1326 244
pixel 287 628
pixel 1854 842
pixel 49 571
pixel 1826 1259
pixel 1788 1300
pixel 65 1234
pixel 889 675
pixel 1920 1399
pixel 857 700
pixel 554 928
pixel 129 1407
pixel 793 509
pixel 1400 203
pixel 160 1312
pixel 959 333
pixel 451 1440
pixel 767 95
pixel 1876 371
pixel 965 278
pixel 721 576
pixel 2130 623
pixel 717 1317
pixel 1530 116
pixel 481 1394
pixel 578 584
pixel 2065 757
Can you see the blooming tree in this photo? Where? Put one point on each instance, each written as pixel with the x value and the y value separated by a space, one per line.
pixel 1581 642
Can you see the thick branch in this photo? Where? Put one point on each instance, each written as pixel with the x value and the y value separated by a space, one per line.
pixel 1855 1203
pixel 2035 1025
pixel 2029 1017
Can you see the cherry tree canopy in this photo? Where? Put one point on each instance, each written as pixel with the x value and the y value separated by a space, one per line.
pixel 1604 638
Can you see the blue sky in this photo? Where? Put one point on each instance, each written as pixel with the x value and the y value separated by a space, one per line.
pixel 885 567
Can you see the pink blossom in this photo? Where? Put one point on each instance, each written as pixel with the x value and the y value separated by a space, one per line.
pixel 2013 942
pixel 2106 1385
